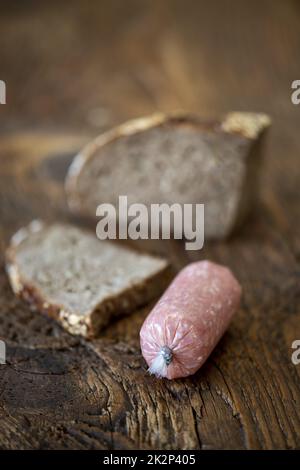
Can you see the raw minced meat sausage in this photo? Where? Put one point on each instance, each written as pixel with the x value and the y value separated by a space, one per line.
pixel 187 322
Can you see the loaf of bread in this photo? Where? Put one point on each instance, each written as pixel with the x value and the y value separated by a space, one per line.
pixel 174 159
pixel 78 280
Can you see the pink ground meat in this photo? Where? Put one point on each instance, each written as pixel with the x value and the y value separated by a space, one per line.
pixel 187 322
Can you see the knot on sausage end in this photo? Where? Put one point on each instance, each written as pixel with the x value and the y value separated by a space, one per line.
pixel 161 362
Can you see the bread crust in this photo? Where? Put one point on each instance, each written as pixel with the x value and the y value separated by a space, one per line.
pixel 88 326
pixel 246 125
pixel 20 287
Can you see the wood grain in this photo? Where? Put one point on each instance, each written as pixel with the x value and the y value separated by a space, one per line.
pixel 71 72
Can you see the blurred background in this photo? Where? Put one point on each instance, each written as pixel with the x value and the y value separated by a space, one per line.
pixel 87 65
pixel 73 69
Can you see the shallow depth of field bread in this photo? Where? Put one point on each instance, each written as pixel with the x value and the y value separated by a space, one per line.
pixel 174 159
pixel 79 280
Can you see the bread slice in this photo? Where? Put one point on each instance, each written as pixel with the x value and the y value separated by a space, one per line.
pixel 79 280
pixel 174 159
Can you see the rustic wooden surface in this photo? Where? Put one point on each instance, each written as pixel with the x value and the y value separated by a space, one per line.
pixel 73 69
